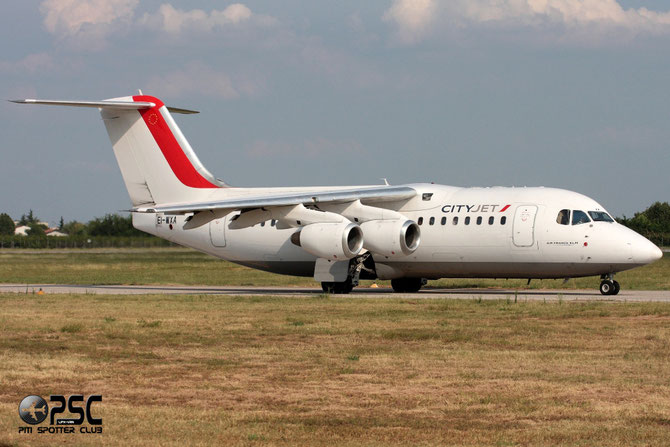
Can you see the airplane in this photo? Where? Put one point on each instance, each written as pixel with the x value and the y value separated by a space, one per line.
pixel 339 235
pixel 33 411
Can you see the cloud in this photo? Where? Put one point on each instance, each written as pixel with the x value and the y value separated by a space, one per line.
pixel 413 18
pixel 575 19
pixel 199 79
pixel 234 13
pixel 86 22
pixel 568 12
pixel 173 20
pixel 31 64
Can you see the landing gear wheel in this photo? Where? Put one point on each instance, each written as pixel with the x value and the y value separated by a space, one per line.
pixel 338 288
pixel 607 287
pixel 406 285
pixel 617 287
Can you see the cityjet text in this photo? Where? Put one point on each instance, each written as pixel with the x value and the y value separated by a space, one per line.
pixel 474 208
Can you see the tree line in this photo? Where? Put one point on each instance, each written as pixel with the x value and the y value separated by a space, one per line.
pixel 114 230
pixel 652 223
pixel 109 225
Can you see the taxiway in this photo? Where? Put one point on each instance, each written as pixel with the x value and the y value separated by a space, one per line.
pixel 359 292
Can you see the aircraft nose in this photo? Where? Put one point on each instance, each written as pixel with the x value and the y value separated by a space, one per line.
pixel 658 255
pixel 646 252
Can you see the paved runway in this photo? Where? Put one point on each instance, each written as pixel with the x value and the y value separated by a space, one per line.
pixel 489 294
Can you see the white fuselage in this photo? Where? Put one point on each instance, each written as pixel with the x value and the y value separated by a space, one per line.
pixel 492 232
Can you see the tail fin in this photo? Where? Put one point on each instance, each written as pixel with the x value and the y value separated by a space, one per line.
pixel 157 163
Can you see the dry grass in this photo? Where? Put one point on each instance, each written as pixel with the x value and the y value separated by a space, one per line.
pixel 185 266
pixel 131 266
pixel 204 370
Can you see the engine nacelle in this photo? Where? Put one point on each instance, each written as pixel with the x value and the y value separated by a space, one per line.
pixel 391 238
pixel 330 240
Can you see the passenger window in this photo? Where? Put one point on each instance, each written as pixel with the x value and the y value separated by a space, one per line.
pixel 431 221
pixel 600 216
pixel 491 219
pixel 420 221
pixel 467 220
pixel 455 220
pixel 503 220
pixel 273 223
pixel 479 220
pixel 443 221
pixel 263 224
pixel 563 217
pixel 579 217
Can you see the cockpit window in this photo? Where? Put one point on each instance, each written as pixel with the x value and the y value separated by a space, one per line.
pixel 579 217
pixel 563 217
pixel 600 216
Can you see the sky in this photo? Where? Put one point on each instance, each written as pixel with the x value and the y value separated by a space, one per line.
pixel 561 93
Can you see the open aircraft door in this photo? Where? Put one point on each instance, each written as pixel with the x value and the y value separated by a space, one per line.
pixel 217 232
pixel 524 225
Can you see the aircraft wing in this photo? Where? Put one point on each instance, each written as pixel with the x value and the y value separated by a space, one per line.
pixel 366 195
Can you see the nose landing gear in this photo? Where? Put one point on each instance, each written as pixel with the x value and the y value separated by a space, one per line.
pixel 608 286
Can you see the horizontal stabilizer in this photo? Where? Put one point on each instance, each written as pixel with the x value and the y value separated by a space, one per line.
pixel 94 104
pixel 182 111
pixel 128 105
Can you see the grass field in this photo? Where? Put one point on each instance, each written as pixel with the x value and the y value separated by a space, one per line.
pixel 319 371
pixel 184 266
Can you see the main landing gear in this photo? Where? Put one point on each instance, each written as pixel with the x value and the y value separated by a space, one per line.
pixel 407 285
pixel 608 286
pixel 363 267
pixel 338 288
pixel 359 267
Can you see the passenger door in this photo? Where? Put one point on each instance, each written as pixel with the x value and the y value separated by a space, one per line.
pixel 524 225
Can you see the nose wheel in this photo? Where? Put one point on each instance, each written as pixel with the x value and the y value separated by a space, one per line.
pixel 609 287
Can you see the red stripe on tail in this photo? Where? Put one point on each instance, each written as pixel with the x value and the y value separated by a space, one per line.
pixel 173 153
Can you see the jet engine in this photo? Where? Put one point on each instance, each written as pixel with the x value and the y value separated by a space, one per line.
pixel 391 238
pixel 340 241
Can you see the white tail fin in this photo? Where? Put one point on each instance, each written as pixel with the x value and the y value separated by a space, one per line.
pixel 157 163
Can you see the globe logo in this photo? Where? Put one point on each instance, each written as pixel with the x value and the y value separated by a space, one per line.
pixel 33 409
